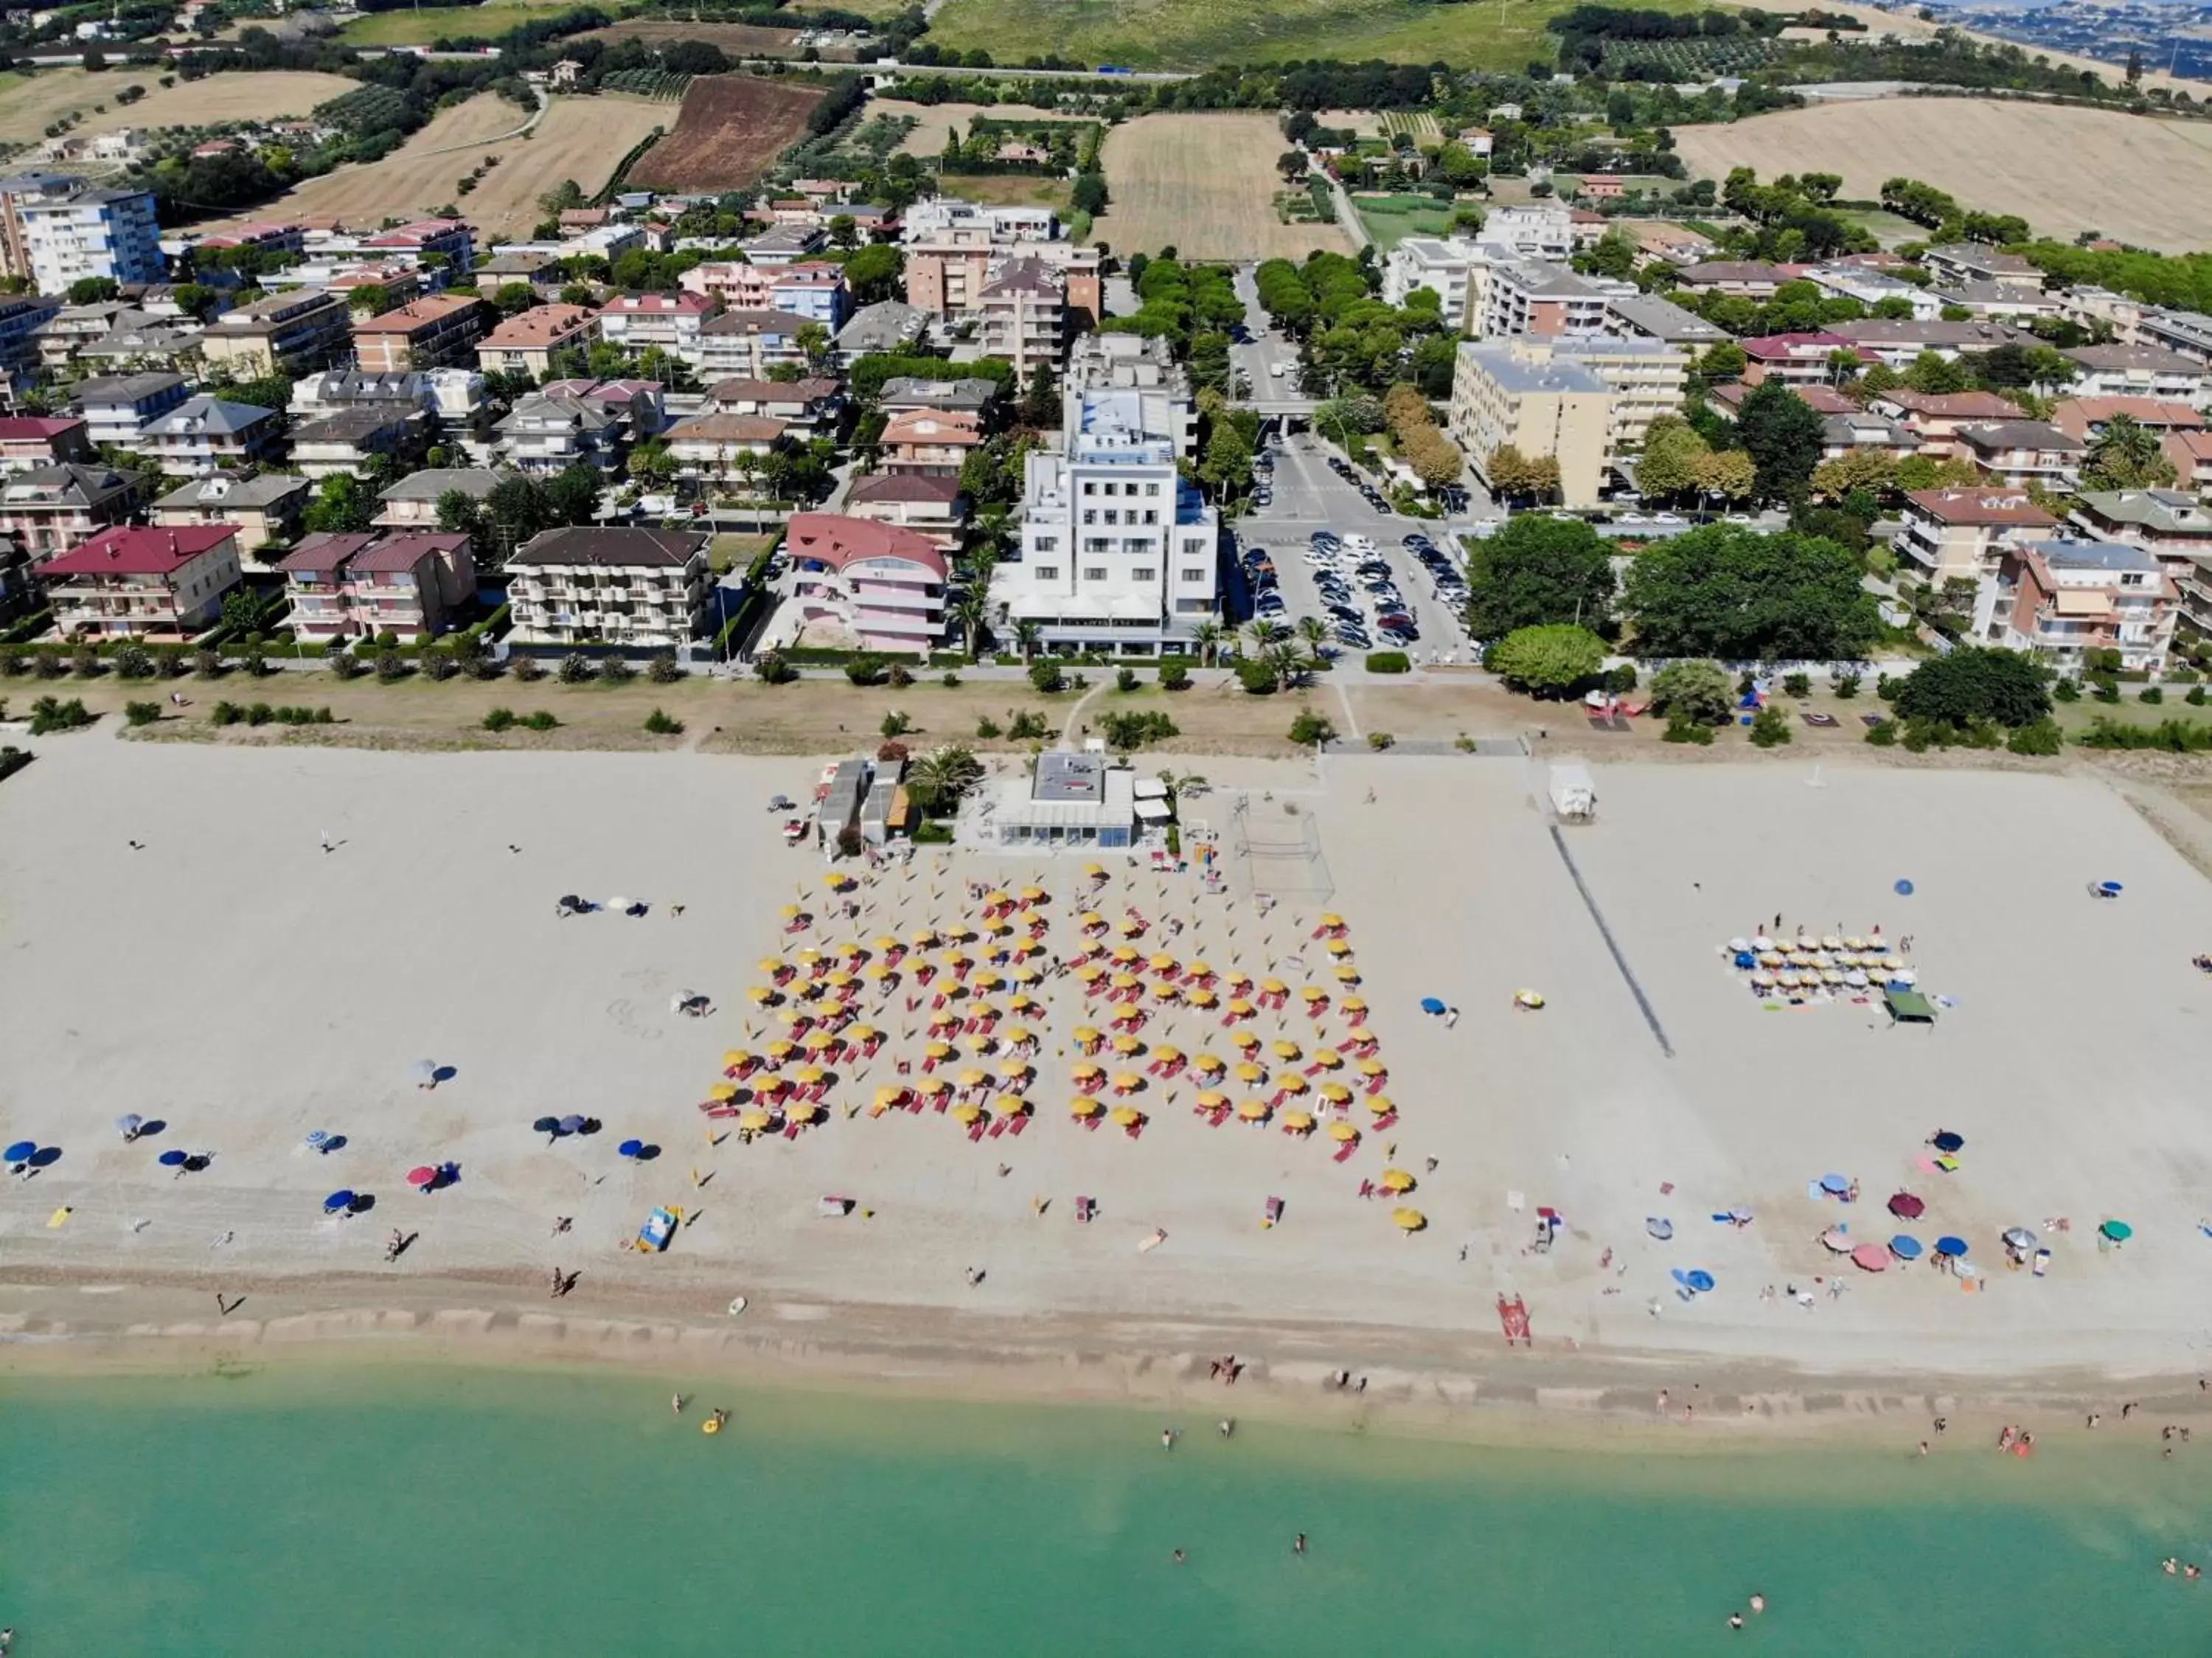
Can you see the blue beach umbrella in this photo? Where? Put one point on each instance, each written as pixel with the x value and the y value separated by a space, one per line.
pixel 1699 1281
pixel 128 1126
pixel 1904 1247
pixel 1902 889
pixel 1431 1004
pixel 21 1152
pixel 170 1159
pixel 1948 1141
pixel 630 1148
pixel 1835 1183
pixel 1952 1247
pixel 571 1125
pixel 1659 1227
pixel 339 1202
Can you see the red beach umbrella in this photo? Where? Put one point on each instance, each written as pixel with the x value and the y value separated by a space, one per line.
pixel 1870 1258
pixel 1907 1207
pixel 422 1178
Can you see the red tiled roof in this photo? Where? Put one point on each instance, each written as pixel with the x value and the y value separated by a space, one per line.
pixel 1981 507
pixel 832 539
pixel 130 550
pixel 399 552
pixel 16 428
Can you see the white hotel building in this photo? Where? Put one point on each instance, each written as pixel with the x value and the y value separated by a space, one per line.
pixel 1118 555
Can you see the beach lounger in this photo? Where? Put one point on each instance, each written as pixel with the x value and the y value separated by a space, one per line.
pixel 1014 1129
pixel 791 1133
pixel 1345 1153
pixel 998 1128
pixel 944 1103
pixel 1091 1124
pixel 975 1133
pixel 1387 1121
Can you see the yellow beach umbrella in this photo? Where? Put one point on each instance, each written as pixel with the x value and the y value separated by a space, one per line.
pixel 1026 975
pixel 838 979
pixel 1240 981
pixel 781 1050
pixel 1013 1068
pixel 771 963
pixel 862 1034
pixel 1253 1111
pixel 1274 987
pixel 1091 918
pixel 1285 1050
pixel 1249 1072
pixel 1291 1084
pixel 1127 1044
pixel 887 1095
pixel 735 1056
pixel 971 1078
pixel 1128 929
pixel 1163 963
pixel 1127 1080
pixel 1089 973
pixel 1330 918
pixel 1034 894
pixel 1084 1107
pixel 995 899
pixel 1380 1105
pixel 807 1076
pixel 1302 1121
pixel 820 1040
pixel 1339 947
pixel 1248 1042
pixel 1210 1062
pixel 1370 1068
pixel 809 956
pixel 1335 1093
pixel 1240 1007
pixel 754 1121
pixel 791 911
pixel 1123 981
pixel 1020 1034
pixel 1202 998
pixel 1013 1105
pixel 1086 1033
pixel 1167 1055
pixel 1212 1100
pixel 852 947
pixel 956 958
pixel 939 1050
pixel 801 1112
pixel 1328 1058
pixel 1125 955
pixel 885 941
pixel 990 979
pixel 760 995
pixel 932 1085
pixel 1085 1069
pixel 1127 1116
pixel 1314 993
pixel 1353 1004
pixel 1396 1179
pixel 984 1010
pixel 1094 868
pixel 1408 1220
pixel 1165 990
pixel 966 1114
pixel 723 1091
pixel 1359 1033
pixel 1343 1131
pixel 878 972
pixel 923 938
pixel 1347 975
pixel 1201 970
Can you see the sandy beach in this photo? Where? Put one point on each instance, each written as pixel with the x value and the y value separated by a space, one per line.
pixel 245 987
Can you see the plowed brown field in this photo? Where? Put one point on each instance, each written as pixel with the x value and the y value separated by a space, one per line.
pixel 731 128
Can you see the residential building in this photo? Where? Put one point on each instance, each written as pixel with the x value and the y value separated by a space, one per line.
pixel 71 235
pixel 787 244
pixel 15 191
pixel 1870 288
pixel 948 266
pixel 524 342
pixel 1645 377
pixel 535 268
pixel 454 238
pixel 1648 316
pixel 1677 244
pixel 67 329
pixel 49 509
pixel 2172 524
pixel 1898 340
pixel 2063 598
pixel 143 346
pixel 435 331
pixel 814 290
pixel 412 502
pixel 138 582
pixel 455 396
pixel 1955 263
pixel 411 584
pixel 2192 455
pixel 1533 296
pixel 548 432
pixel 1503 396
pixel 932 506
pixel 1438 264
pixel 294 331
pixel 644 588
pixel 748 343
pixel 936 215
pixel 2000 300
pixel 809 408
pixel 204 434
pixel 29 442
pixel 1024 308
pixel 266 507
pixel 671 321
pixel 1798 360
pixel 2187 333
pixel 1751 279
pixel 21 318
pixel 970 394
pixel 638 404
pixel 1935 418
pixel 399 277
pixel 879 585
pixel 1119 553
pixel 1823 401
pixel 1960 535
pixel 933 442
pixel 724 446
pixel 118 408
pixel 2022 452
pixel 1855 431
pixel 2086 417
pixel 886 325
pixel 1540 230
pixel 2141 371
pixel 353 440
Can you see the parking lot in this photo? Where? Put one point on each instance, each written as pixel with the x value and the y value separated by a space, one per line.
pixel 1304 496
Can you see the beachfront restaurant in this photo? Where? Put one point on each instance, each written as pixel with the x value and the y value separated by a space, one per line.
pixel 1074 800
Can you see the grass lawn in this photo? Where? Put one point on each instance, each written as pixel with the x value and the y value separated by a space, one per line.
pixel 420 26
pixel 1008 189
pixel 1194 34
pixel 1886 229
pixel 1390 219
pixel 2081 716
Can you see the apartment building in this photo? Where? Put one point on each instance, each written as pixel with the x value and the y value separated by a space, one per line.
pixel 412 502
pixel 21 318
pixel 453 395
pixel 671 321
pixel 1539 231
pixel 747 345
pixel 2141 371
pixel 1024 311
pixel 131 582
pixel 15 190
pixel 1748 278
pixel 204 434
pixel 266 507
pixel 1871 287
pixel 1797 360
pixel 808 408
pixel 73 234
pixel 645 589
pixel 1646 377
pixel 1935 418
pixel 1533 296
pixel 724 446
pixel 296 332
pixel 525 344
pixel 1954 264
pixel 933 507
pixel 438 331
pixel 1960 535
pixel 547 432
pixel 1441 264
pixel 1648 316
pixel 29 442
pixel 2063 598
pixel 49 509
pixel 453 238
pixel 355 442
pixel 1503 395
pixel 928 443
pixel 812 289
pixel 1118 555
pixel 2018 453
pixel 1897 341
pixel 118 408
pixel 887 325
pixel 347 585
pixel 880 585
pixel 947 269
pixel 2086 417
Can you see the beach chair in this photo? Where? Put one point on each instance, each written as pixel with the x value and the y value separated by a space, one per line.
pixel 792 1132
pixel 977 1131
pixel 1014 1128
pixel 1342 1155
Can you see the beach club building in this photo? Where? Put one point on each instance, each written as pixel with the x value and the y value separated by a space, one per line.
pixel 1075 800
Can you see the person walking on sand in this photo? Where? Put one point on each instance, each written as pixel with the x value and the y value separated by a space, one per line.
pixel 676 1404
pixel 326 840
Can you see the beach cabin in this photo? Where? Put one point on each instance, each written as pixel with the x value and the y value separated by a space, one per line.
pixel 884 811
pixel 1074 800
pixel 840 804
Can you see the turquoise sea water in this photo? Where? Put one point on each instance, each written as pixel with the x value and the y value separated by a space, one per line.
pixel 453 1511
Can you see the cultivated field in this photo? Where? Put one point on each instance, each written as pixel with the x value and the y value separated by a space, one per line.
pixel 927 138
pixel 1194 34
pixel 2064 169
pixel 1204 184
pixel 420 27
pixel 580 138
pixel 731 127
pixel 738 40
pixel 29 104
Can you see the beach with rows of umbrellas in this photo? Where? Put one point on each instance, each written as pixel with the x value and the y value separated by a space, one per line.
pixel 1481 1102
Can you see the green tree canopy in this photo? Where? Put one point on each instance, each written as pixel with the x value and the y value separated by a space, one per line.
pixel 2126 455
pixel 1699 691
pixel 1538 570
pixel 341 502
pixel 1782 434
pixel 1728 591
pixel 1972 683
pixel 1546 661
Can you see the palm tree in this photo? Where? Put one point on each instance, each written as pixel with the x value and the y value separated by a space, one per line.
pixel 1207 636
pixel 1027 635
pixel 1290 663
pixel 969 611
pixel 1314 632
pixel 936 780
pixel 1264 633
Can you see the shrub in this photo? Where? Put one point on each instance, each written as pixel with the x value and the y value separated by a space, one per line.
pixel 207 662
pixel 1885 687
pixel 664 669
pixel 13 659
pixel 1048 677
pixel 1258 678
pixel 576 668
pixel 661 725
pixel 987 727
pixel 893 753
pixel 1389 662
pixel 85 663
pixel 951 681
pixel 1847 686
pixel 1681 728
pixel 773 669
pixel 2066 690
pixel 543 720
pixel 170 660
pixel 898 676
pixel 1621 680
pixel 896 723
pixel 849 842
pixel 526 669
pixel 1379 741
pixel 1883 735
pixel 2041 738
pixel 50 714
pixel 47 663
pixel 142 713
pixel 226 713
pixel 1125 678
pixel 614 670
pixel 134 662
pixel 1697 693
pixel 1132 727
pixel 1309 727
pixel 437 664
pixel 1769 728
pixel 2150 694
pixel 340 663
pixel 498 719
pixel 933 833
pixel 2196 696
pixel 1175 675
pixel 259 714
pixel 867 668
pixel 391 667
pixel 1028 725
pixel 1797 685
